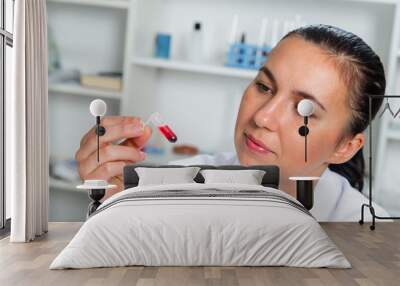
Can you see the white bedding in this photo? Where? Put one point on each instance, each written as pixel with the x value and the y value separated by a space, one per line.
pixel 188 230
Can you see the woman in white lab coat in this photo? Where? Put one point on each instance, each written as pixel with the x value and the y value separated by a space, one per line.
pixel 333 68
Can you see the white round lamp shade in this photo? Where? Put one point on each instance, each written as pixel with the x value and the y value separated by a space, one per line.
pixel 98 107
pixel 305 107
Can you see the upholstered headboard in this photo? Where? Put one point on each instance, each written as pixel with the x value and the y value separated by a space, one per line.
pixel 270 179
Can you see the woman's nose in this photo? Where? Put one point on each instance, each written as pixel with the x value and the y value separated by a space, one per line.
pixel 271 113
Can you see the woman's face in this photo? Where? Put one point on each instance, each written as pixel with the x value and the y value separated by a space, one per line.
pixel 267 125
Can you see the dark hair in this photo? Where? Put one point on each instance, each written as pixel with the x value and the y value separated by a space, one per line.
pixel 363 72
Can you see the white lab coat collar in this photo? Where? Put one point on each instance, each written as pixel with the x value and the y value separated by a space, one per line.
pixel 328 191
pixel 327 194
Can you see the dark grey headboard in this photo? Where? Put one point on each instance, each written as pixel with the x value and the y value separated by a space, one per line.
pixel 270 179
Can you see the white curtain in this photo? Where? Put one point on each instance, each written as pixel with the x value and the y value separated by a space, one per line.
pixel 26 124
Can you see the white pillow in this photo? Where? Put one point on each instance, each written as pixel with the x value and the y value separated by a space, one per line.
pixel 162 176
pixel 248 177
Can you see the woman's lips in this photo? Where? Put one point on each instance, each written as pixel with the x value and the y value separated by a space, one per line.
pixel 255 145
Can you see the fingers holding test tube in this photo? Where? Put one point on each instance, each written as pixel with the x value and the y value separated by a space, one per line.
pixel 121 144
pixel 113 157
pixel 157 120
pixel 111 153
pixel 114 132
pixel 108 121
pixel 127 141
pixel 137 142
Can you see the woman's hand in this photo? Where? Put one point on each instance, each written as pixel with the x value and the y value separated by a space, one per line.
pixel 113 157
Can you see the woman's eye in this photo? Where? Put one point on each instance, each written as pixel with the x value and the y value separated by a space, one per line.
pixel 263 88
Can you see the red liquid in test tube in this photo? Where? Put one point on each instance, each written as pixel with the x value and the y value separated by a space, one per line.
pixel 156 120
pixel 168 133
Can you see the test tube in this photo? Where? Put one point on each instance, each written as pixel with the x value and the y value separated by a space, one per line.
pixel 157 120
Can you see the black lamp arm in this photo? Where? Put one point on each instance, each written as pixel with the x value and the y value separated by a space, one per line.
pixel 305 193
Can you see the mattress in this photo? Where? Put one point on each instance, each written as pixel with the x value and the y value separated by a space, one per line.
pixel 201 225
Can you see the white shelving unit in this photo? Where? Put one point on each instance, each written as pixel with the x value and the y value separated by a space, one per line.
pixel 88 48
pixel 120 4
pixel 154 158
pixel 195 68
pixel 91 37
pixel 63 185
pixel 394 135
pixel 77 89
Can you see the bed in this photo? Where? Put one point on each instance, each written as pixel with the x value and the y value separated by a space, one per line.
pixel 201 224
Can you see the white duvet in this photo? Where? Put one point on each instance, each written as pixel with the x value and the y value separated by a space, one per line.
pixel 189 230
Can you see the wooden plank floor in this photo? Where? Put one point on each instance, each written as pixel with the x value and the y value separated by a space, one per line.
pixel 374 255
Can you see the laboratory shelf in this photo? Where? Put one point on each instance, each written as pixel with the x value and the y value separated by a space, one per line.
pixel 120 4
pixel 195 68
pixel 393 134
pixel 64 185
pixel 77 89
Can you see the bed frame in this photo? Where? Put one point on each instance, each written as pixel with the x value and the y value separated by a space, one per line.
pixel 270 179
